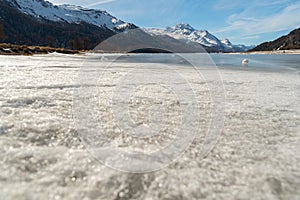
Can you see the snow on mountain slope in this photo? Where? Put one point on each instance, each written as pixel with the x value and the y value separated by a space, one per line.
pixel 226 42
pixel 188 33
pixel 68 13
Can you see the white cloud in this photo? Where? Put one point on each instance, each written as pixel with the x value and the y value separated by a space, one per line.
pixel 237 4
pixel 88 3
pixel 249 24
pixel 100 2
pixel 224 5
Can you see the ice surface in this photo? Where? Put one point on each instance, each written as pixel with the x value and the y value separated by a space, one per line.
pixel 256 157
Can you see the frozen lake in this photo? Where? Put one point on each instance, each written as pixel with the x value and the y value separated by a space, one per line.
pixel 271 62
pixel 246 118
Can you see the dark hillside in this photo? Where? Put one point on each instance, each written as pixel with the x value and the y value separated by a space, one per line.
pixel 20 28
pixel 290 41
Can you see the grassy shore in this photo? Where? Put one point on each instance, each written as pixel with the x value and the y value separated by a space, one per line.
pixel 11 49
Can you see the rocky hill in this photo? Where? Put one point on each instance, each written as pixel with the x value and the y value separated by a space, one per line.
pixel 290 41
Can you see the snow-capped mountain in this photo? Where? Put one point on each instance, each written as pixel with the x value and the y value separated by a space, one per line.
pixel 187 33
pixel 68 13
pixel 40 23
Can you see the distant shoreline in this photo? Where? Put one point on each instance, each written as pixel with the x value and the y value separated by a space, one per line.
pixel 291 51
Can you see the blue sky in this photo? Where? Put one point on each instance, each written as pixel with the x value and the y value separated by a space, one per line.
pixel 241 21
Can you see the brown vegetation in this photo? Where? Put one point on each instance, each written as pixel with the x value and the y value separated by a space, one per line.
pixel 11 49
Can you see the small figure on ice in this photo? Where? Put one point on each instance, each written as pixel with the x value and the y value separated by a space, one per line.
pixel 245 62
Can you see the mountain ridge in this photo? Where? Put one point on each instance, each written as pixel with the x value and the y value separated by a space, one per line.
pixel 186 32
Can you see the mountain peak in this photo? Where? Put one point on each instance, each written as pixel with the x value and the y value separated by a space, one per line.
pixel 183 26
pixel 226 42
